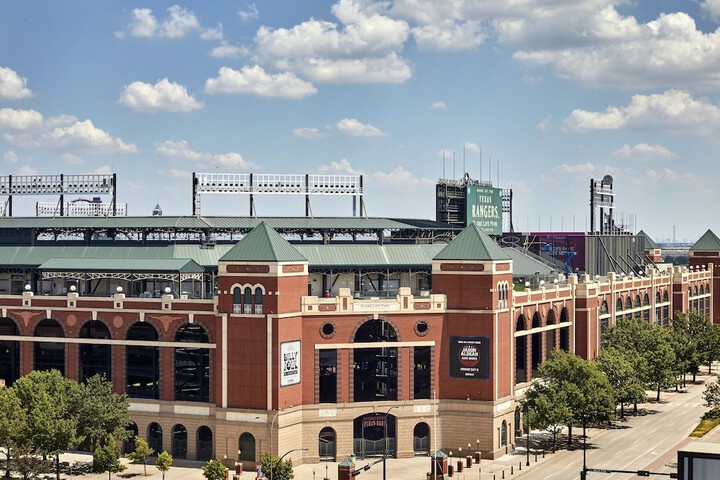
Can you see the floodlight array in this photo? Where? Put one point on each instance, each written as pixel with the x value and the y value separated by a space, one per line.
pixel 55 184
pixel 80 209
pixel 278 184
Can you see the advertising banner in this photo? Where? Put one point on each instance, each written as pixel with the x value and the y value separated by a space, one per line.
pixel 289 363
pixel 484 208
pixel 470 357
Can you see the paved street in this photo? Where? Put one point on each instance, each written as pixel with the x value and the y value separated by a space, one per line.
pixel 645 442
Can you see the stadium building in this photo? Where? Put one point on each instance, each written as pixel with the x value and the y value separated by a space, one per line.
pixel 231 340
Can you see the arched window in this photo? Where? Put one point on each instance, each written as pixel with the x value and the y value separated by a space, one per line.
pixel 637 301
pixel 619 305
pixel 326 444
pixel 666 310
pixel 9 352
pixel 155 437
pixel 246 447
pixel 503 434
pixel 142 363
pixel 95 358
pixel 204 444
pixel 192 365
pixel 646 300
pixel 179 442
pixel 375 369
pixel 237 300
pixel 247 301
pixel 520 352
pixel 604 308
pixel 49 355
pixel 536 346
pixel 258 301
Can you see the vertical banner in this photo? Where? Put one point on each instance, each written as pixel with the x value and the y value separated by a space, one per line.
pixel 470 357
pixel 290 363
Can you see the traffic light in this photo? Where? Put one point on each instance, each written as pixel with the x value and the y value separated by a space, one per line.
pixel 643 473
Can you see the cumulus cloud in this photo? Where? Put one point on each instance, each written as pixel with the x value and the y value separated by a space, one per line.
pixel 27 170
pixel 250 12
pixel 439 105
pixel 71 159
pixel 163 96
pixel 449 35
pixel 712 8
pixel 472 148
pixel 644 152
pixel 12 85
pixel 256 81
pixel 10 157
pixel 215 33
pixel 342 167
pixel 354 128
pixel 544 125
pixel 180 150
pixel 400 177
pixel 29 129
pixel 363 47
pixel 307 133
pixel 178 23
pixel 672 110
pixel 225 50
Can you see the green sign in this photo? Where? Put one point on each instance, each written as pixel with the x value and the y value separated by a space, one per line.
pixel 484 207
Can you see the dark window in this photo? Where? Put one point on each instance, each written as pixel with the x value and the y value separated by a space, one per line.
pixel 143 363
pixel 327 376
pixel 9 352
pixel 49 356
pixel 246 447
pixel 129 443
pixel 422 372
pixel 192 365
pixel 375 369
pixel 94 359
pixel 155 437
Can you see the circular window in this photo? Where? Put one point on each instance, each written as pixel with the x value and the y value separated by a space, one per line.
pixel 421 328
pixel 327 330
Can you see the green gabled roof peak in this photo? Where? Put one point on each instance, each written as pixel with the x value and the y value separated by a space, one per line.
pixel 709 241
pixel 648 243
pixel 472 244
pixel 263 244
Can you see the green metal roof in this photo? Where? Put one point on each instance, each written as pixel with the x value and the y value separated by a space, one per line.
pixel 709 241
pixel 263 244
pixel 472 244
pixel 649 244
pixel 365 256
pixel 181 265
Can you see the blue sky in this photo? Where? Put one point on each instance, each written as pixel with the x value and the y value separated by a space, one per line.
pixel 555 92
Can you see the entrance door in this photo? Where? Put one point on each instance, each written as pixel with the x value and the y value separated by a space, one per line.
pixel 326 445
pixel 373 436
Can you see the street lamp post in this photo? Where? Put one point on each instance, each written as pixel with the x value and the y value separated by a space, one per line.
pixel 283 456
pixel 385 449
pixel 271 426
pixel 527 441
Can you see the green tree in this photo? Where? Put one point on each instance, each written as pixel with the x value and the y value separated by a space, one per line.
pixel 713 346
pixel 29 465
pixel 588 393
pixel 214 470
pixel 547 408
pixel 281 470
pixel 51 416
pixel 624 370
pixel 103 411
pixel 660 358
pixel 141 453
pixel 711 395
pixel 12 418
pixel 690 338
pixel 164 462
pixel 106 458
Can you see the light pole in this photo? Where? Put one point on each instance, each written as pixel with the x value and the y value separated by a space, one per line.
pixel 271 426
pixel 527 442
pixel 385 449
pixel 283 456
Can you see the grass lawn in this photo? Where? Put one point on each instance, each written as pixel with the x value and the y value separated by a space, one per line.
pixel 704 427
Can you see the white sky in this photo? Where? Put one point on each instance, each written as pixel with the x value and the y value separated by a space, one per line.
pixel 556 91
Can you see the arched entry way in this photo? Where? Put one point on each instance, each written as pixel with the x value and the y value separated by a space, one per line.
pixel 94 358
pixel 179 442
pixel 49 355
pixel 326 445
pixel 129 443
pixel 369 435
pixel 375 372
pixel 204 443
pixel 246 447
pixel 155 439
pixel 9 352
pixel 421 439
pixel 520 352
